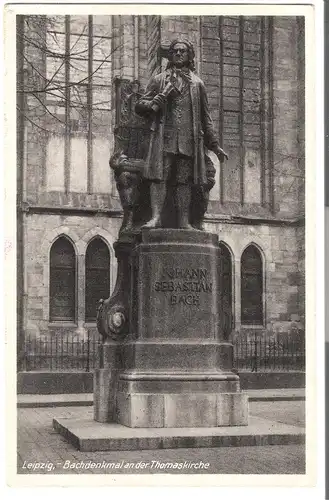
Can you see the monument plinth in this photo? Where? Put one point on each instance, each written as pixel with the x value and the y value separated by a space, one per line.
pixel 174 368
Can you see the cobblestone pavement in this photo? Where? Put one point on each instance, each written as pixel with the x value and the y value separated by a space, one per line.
pixel 38 443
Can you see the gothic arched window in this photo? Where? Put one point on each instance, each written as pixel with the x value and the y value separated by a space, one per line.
pixel 251 287
pixel 62 281
pixel 97 276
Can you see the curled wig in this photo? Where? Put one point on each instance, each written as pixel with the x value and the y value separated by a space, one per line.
pixel 190 51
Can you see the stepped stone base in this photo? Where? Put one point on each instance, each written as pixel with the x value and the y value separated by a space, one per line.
pixel 88 435
pixel 180 399
pixel 174 368
pixel 182 410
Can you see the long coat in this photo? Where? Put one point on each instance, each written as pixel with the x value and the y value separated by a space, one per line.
pixel 202 127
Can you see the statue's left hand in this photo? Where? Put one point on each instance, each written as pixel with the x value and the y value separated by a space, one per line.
pixel 221 155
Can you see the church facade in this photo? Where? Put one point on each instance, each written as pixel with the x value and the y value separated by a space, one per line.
pixel 70 72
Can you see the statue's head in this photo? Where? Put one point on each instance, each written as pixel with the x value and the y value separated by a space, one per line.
pixel 180 54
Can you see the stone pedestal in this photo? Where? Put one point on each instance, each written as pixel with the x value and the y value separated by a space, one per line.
pixel 176 369
pixel 106 382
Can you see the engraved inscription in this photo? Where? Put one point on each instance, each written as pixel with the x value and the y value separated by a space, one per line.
pixel 184 285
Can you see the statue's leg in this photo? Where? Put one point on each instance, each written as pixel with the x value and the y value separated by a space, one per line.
pixel 201 196
pixel 158 195
pixel 183 200
pixel 183 192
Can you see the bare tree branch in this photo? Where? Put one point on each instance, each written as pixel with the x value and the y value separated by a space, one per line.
pixel 57 55
pixel 63 62
pixel 34 68
pixel 48 110
pixel 33 123
pixel 75 83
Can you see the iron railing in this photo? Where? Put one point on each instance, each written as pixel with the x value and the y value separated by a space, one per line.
pixel 61 353
pixel 72 353
pixel 269 355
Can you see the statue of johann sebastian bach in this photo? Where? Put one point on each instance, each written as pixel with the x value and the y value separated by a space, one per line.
pixel 181 129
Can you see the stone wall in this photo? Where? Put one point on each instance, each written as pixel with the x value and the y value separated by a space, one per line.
pixel 40 233
pixel 282 276
pixel 288 92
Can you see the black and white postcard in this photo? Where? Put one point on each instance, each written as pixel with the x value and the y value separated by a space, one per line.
pixel 163 176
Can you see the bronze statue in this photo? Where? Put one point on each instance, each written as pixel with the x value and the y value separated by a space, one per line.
pixel 176 102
